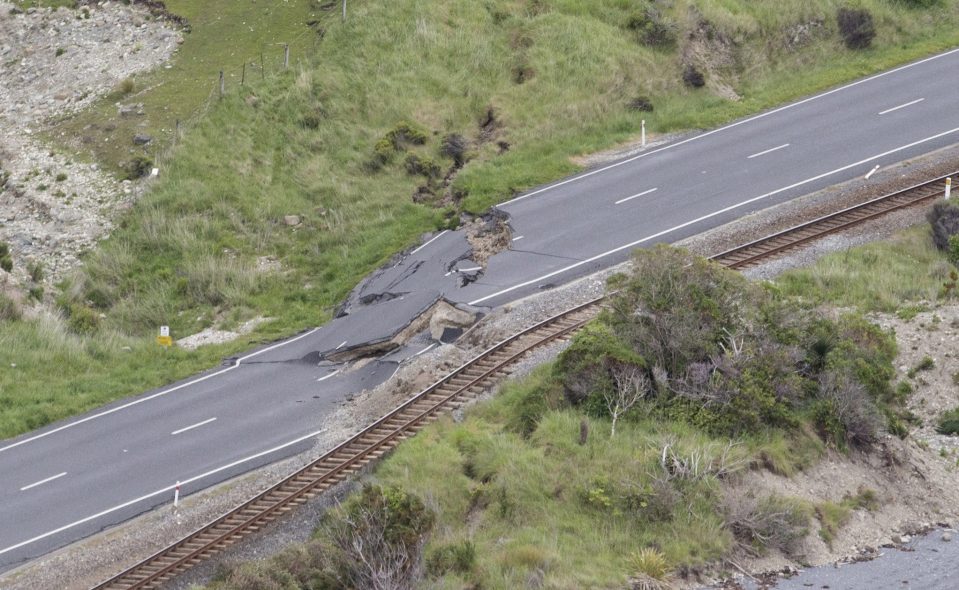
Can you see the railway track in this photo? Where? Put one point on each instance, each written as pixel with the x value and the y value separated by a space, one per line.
pixel 777 244
pixel 451 392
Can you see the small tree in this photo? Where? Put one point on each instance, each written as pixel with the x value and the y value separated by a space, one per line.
pixel 378 539
pixel 632 385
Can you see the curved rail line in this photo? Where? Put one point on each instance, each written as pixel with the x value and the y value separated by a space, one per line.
pixel 453 391
pixel 798 236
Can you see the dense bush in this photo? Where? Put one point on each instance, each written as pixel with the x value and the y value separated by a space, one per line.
pixel 856 27
pixel 944 219
pixel 376 539
pixel 138 167
pixel 653 28
pixel 708 347
pixel 693 78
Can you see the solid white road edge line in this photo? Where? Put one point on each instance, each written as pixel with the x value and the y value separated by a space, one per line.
pixel 325 377
pixel 436 237
pixel 730 126
pixel 769 151
pixel 652 190
pixel 156 493
pixel 197 425
pixel 518 238
pixel 158 394
pixel 710 215
pixel 902 106
pixel 42 481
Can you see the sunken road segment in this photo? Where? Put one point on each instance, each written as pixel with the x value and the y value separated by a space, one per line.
pixel 455 390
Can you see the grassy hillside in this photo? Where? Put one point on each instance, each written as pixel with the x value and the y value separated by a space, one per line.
pixel 380 111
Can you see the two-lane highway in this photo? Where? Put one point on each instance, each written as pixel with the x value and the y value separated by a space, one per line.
pixel 77 477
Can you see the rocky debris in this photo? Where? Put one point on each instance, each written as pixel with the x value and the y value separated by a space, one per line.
pixel 215 336
pixel 291 220
pixel 449 322
pixel 53 62
pixel 142 139
pixel 488 236
pixel 77 54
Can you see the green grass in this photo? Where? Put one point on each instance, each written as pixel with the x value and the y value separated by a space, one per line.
pixel 890 276
pixel 510 506
pixel 186 255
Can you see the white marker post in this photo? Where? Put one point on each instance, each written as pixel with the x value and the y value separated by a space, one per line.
pixel 873 171
pixel 644 133
pixel 948 187
pixel 176 495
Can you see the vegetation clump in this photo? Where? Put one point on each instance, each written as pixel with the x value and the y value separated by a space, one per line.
pixel 856 27
pixel 6 261
pixel 695 342
pixel 949 422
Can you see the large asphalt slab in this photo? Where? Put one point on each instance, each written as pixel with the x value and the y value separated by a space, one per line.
pixel 76 477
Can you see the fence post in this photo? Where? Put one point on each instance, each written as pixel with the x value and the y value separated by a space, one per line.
pixel 286 55
pixel 222 84
pixel 262 67
pixel 243 75
pixel 344 10
pixel 948 187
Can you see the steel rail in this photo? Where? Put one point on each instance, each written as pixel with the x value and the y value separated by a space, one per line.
pixel 350 456
pixel 779 243
pixel 479 374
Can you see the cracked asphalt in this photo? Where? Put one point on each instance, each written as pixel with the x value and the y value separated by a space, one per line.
pixel 80 476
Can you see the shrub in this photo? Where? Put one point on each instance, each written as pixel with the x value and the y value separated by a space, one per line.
pixel 6 261
pixel 60 51
pixel 416 165
pixel 457 558
pixel 641 103
pixel 949 422
pixel 926 364
pixel 693 78
pixel 944 219
pixel 377 537
pixel 770 523
pixel 138 167
pixel 454 146
pixel 397 139
pixel 126 86
pixel 35 269
pixel 856 27
pixel 9 310
pixel 61 177
pixel 653 28
pixel 82 319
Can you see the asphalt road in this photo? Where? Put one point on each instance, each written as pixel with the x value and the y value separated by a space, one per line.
pixel 77 477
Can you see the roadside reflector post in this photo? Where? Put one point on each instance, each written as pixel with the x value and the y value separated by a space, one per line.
pixel 948 187
pixel 644 133
pixel 176 495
